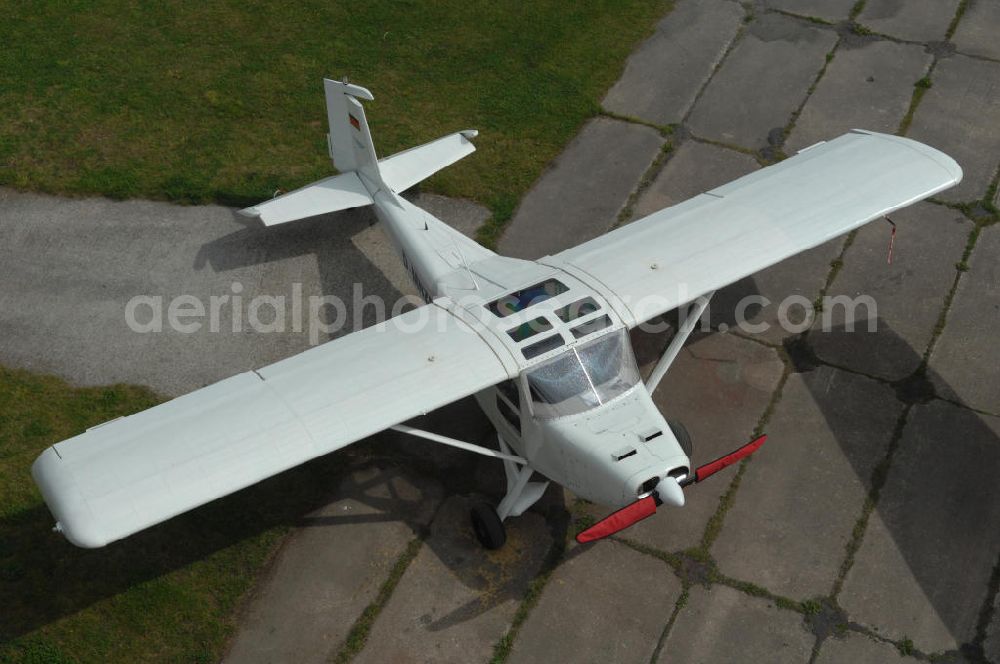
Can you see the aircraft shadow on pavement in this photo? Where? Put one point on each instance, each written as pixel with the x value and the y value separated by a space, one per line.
pixel 940 499
pixel 340 263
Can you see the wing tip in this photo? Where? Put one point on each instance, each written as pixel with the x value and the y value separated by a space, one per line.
pixel 946 162
pixel 65 502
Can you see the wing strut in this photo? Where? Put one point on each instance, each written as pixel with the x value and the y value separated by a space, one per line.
pixel 462 445
pixel 691 317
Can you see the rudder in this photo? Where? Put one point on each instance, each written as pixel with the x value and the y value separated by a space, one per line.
pixel 350 141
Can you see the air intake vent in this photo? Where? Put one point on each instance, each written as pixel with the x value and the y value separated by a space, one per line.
pixel 678 473
pixel 623 453
pixel 650 435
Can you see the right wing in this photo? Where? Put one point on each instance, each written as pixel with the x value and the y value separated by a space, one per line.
pixel 332 194
pixel 707 242
pixel 131 473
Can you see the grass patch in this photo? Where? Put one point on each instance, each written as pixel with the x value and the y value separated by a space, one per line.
pixel 959 12
pixel 166 594
pixel 222 101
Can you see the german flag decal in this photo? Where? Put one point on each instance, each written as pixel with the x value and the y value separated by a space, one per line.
pixel 354 122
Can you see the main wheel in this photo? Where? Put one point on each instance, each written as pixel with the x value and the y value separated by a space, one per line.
pixel 488 527
pixel 682 436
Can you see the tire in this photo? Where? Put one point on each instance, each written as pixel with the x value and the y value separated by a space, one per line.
pixel 487 526
pixel 682 436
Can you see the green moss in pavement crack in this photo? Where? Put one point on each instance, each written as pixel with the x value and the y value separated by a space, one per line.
pixel 358 635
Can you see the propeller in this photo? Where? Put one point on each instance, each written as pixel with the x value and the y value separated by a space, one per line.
pixel 668 491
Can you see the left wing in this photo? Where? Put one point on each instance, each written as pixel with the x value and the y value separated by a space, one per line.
pixel 712 240
pixel 405 169
pixel 128 474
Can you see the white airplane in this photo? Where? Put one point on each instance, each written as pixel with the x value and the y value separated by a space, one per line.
pixel 543 345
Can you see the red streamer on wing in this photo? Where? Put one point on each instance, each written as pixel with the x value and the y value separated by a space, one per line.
pixel 620 520
pixel 715 466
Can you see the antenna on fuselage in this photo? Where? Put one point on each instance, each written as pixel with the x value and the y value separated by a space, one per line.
pixel 465 262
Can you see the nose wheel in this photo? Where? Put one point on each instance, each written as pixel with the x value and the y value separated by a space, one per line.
pixel 488 527
pixel 683 437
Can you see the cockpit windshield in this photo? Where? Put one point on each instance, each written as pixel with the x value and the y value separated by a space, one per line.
pixel 583 376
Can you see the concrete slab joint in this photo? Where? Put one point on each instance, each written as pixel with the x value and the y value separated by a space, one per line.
pixel 663 76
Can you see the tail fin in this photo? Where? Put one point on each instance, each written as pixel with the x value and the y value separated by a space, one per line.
pixel 361 172
pixel 349 140
pixel 351 146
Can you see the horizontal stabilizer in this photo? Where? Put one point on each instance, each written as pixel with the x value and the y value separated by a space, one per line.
pixel 340 192
pixel 405 169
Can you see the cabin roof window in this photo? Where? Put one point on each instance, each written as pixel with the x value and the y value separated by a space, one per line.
pixel 529 329
pixel 577 309
pixel 591 326
pixel 542 347
pixel 520 300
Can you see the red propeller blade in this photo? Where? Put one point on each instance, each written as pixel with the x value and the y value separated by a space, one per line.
pixel 620 520
pixel 713 467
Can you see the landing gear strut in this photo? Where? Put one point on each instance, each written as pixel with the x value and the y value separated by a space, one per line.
pixel 487 522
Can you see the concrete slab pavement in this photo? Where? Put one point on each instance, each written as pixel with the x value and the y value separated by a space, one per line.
pixel 976 33
pixel 762 81
pixel 583 190
pixel 860 649
pixel 867 85
pixel 914 20
pixel 803 492
pixel 328 571
pixel 959 114
pixel 963 364
pixel 604 603
pixel 719 624
pixel 834 11
pixel 691 169
pixel 456 599
pixel 783 296
pixel 923 569
pixel 664 75
pixel 907 296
